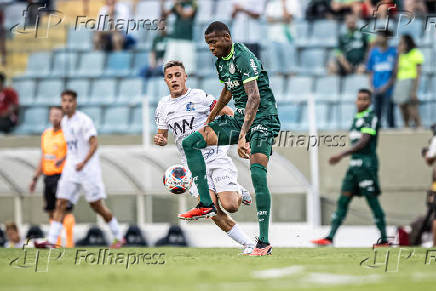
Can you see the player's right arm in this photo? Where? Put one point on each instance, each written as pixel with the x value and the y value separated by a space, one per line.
pixel 161 137
pixel 225 97
pixel 35 177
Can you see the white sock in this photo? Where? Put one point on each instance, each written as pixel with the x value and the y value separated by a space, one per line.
pixel 115 228
pixel 54 231
pixel 239 236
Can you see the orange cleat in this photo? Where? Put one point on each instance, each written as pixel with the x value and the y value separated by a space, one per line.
pixel 200 211
pixel 323 242
pixel 262 249
pixel 116 244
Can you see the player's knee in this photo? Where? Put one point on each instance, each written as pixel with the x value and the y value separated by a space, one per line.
pixel 61 204
pixel 230 206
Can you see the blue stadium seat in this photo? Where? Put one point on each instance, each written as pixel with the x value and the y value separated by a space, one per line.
pixel 116 120
pixel 156 89
pixel 26 90
pixel 277 84
pixel 352 84
pixel 131 91
pixel 81 86
pixel 148 10
pixel 135 126
pixel 118 64
pixel 48 92
pixel 429 60
pixel 327 88
pixel 289 115
pixel 140 60
pixel 193 82
pixel 38 64
pixel 91 64
pixel 312 61
pixel 34 120
pixel 424 87
pixel 298 88
pixel 280 58
pixel 64 64
pixel 347 112
pixel 324 33
pixel 94 112
pixel 399 122
pixel 212 86
pixel 103 91
pixel 427 39
pixel 223 10
pixel 205 64
pixel 301 33
pixel 414 28
pixel 79 39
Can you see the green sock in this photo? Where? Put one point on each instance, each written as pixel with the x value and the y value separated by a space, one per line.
pixel 192 145
pixel 263 199
pixel 339 215
pixel 379 216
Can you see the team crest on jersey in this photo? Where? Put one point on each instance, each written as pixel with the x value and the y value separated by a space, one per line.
pixel 232 68
pixel 190 107
pixel 359 122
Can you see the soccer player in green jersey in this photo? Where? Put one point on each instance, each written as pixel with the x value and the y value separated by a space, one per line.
pixel 252 128
pixel 361 178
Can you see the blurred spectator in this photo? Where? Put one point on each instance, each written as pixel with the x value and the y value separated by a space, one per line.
pixel 2 238
pixel 9 107
pixel 431 6
pixel 246 23
pixel 158 48
pixel 2 36
pixel 280 14
pixel 417 7
pixel 175 238
pixel 351 51
pixel 107 37
pixel 341 8
pixel 381 66
pixel 180 45
pixel 13 236
pixel 318 9
pixel 406 86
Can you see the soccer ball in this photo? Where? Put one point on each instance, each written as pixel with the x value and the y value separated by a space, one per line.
pixel 177 179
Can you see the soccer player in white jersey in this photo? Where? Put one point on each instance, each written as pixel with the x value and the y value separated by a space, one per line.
pixel 183 112
pixel 82 169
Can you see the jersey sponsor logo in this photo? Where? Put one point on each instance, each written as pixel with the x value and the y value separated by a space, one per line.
pixel 181 129
pixel 190 106
pixel 209 153
pixel 260 128
pixel 355 135
pixel 232 84
pixel 222 178
pixel 366 183
pixel 253 66
pixel 72 145
pixel 356 163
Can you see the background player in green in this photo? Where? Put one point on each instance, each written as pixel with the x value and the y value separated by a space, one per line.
pixel 253 127
pixel 361 178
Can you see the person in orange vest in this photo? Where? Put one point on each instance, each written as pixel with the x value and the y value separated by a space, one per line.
pixel 53 153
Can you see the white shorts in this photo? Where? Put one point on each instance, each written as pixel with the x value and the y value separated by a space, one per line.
pixel 69 187
pixel 220 179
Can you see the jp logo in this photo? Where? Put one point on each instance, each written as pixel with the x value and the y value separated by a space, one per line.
pixel 38 259
pixel 387 258
pixel 55 17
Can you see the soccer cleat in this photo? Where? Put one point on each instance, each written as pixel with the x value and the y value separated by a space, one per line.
pixel 247 250
pixel 262 249
pixel 44 245
pixel 322 242
pixel 381 244
pixel 246 197
pixel 116 244
pixel 200 211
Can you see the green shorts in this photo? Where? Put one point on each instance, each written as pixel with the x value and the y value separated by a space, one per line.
pixel 261 135
pixel 361 181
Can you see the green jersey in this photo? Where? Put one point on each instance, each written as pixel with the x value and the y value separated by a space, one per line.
pixel 242 66
pixel 365 122
pixel 353 45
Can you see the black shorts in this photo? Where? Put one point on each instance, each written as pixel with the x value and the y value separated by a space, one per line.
pixel 50 187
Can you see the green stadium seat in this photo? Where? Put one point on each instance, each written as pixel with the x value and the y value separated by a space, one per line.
pixel 116 120
pixel 118 64
pixel 48 92
pixel 131 91
pixel 91 64
pixel 103 91
pixel 26 90
pixel 64 64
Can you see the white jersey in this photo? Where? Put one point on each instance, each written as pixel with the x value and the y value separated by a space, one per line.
pixel 185 115
pixel 77 131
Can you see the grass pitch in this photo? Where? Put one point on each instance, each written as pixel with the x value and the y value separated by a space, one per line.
pixel 219 269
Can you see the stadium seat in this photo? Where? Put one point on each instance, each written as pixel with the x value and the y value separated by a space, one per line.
pixel 13 13
pixel 312 61
pixel 352 84
pixel 26 90
pixel 289 115
pixel 91 64
pixel 131 91
pixel 116 120
pixel 34 120
pixel 156 89
pixel 424 88
pixel 327 88
pixel 324 33
pixel 81 86
pixel 135 127
pixel 298 88
pixel 148 10
pixel 414 28
pixel 347 112
pixel 118 64
pixel 193 82
pixel 277 84
pixel 205 64
pixel 301 33
pixel 94 112
pixel 281 58
pixel 103 91
pixel 212 86
pixel 429 60
pixel 140 61
pixel 223 10
pixel 38 65
pixel 64 64
pixel 79 39
pixel 48 92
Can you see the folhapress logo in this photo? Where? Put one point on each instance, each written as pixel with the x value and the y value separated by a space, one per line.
pixel 55 17
pixel 36 259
